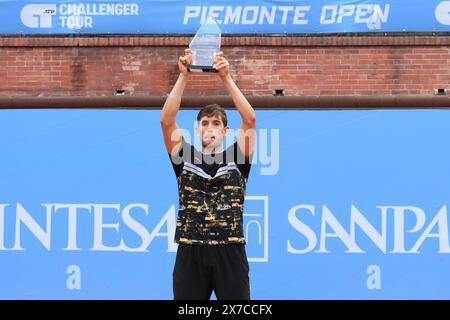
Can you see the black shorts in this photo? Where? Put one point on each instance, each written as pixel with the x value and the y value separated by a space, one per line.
pixel 201 269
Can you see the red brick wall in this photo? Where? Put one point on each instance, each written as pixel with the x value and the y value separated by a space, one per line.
pixel 96 66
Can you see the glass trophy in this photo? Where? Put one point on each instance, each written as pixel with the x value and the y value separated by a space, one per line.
pixel 204 45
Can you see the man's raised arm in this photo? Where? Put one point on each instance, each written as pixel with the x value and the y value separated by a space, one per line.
pixel 247 130
pixel 171 132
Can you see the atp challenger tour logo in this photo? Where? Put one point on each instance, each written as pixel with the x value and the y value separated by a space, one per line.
pixel 443 13
pixel 38 15
pixel 73 15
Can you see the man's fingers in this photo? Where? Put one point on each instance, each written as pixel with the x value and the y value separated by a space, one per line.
pixel 221 65
pixel 219 59
pixel 183 60
pixel 224 62
pixel 188 51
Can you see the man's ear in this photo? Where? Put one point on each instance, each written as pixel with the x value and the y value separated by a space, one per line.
pixel 225 131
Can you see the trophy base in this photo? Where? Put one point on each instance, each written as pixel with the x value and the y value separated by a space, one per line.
pixel 192 68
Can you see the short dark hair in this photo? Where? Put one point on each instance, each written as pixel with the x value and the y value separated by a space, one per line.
pixel 213 110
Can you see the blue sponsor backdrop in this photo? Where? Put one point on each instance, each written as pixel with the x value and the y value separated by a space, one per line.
pixel 254 16
pixel 331 163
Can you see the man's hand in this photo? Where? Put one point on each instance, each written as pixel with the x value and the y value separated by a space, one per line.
pixel 222 65
pixel 184 61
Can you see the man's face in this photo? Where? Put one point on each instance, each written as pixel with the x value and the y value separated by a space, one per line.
pixel 212 131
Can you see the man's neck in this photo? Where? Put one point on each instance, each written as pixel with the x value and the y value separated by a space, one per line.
pixel 217 149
